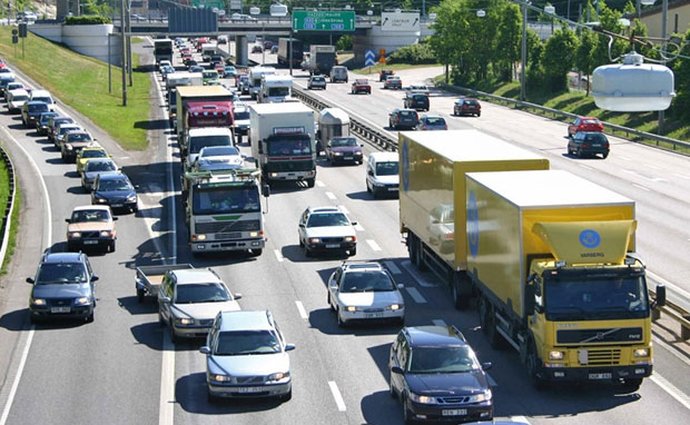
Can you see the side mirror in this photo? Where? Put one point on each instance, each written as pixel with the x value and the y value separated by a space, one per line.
pixel 401 286
pixel 487 365
pixel 660 296
pixel 371 173
pixel 116 218
pixel 265 190
pixel 301 225
pixel 94 278
pixel 30 280
pixel 398 370
pixel 205 350
pixel 67 220
pixel 289 347
pixel 354 223
pixel 237 296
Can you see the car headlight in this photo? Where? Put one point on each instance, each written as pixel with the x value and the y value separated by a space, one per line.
pixel 101 200
pixel 423 399
pixel 74 235
pixel 477 398
pixel 275 377
pixel 106 234
pixel 641 352
pixel 351 308
pixel 337 153
pixel 556 355
pixel 82 301
pixel 132 198
pixel 220 378
pixel 314 240
pixel 395 307
pixel 184 321
pixel 38 301
pixel 349 239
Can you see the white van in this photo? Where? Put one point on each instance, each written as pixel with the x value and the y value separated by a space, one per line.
pixel 16 99
pixel 382 174
pixel 43 96
pixel 338 73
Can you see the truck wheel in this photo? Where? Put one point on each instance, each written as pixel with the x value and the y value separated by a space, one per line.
pixel 533 368
pixel 311 182
pixel 140 295
pixel 257 252
pixel 489 327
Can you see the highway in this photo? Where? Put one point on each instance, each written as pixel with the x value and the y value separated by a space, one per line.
pixel 123 369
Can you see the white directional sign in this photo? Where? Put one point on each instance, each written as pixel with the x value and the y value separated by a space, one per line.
pixel 369 58
pixel 235 4
pixel 400 21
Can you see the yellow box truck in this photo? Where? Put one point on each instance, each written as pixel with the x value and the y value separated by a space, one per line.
pixel 432 195
pixel 551 256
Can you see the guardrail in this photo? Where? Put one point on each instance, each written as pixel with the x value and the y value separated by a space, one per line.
pixel 611 128
pixel 5 226
pixel 386 142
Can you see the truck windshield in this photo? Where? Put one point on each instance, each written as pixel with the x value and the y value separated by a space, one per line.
pixel 288 147
pixel 582 297
pixel 196 143
pixel 278 91
pixel 226 199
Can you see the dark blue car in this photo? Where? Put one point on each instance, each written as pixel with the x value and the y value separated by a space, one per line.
pixel 63 288
pixel 437 377
pixel 114 189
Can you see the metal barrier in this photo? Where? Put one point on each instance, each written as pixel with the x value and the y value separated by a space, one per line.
pixel 5 226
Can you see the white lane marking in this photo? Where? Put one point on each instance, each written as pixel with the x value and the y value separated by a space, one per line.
pixel 672 390
pixel 47 241
pixel 331 196
pixel 374 246
pixel 416 296
pixel 392 267
pixel 319 183
pixel 439 322
pixel 418 277
pixel 344 209
pixel 625 158
pixel 337 396
pixel 639 186
pixel 682 176
pixel 301 310
pixel 359 228
pixel 279 256
pixel 586 167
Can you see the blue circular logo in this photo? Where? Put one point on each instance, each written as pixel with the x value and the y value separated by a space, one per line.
pixel 473 225
pixel 405 167
pixel 590 238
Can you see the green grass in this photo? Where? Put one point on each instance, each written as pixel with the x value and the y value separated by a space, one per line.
pixel 398 66
pixel 14 218
pixel 82 83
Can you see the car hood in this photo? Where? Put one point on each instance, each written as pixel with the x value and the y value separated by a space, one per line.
pixel 330 231
pixel 91 225
pixel 204 311
pixel 61 290
pixel 440 384
pixel 116 193
pixel 347 149
pixel 370 299
pixel 251 365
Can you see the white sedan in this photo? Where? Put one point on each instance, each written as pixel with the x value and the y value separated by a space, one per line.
pixel 212 158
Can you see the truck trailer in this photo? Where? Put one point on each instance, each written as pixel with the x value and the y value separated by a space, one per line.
pixel 321 59
pixel 551 257
pixel 282 140
pixel 275 89
pixel 163 50
pixel 286 56
pixel 433 165
pixel 195 96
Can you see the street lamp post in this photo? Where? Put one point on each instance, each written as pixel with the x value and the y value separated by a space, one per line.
pixel 664 18
pixel 523 51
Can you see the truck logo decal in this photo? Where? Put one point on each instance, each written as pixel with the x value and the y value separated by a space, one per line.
pixel 472 224
pixel 590 238
pixel 405 167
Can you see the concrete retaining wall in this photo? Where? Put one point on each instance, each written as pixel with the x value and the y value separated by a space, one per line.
pixel 89 40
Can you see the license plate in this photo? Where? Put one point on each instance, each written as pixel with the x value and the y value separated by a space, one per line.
pixel 596 145
pixel 60 309
pixel 454 412
pixel 250 389
pixel 90 242
pixel 117 205
pixel 392 189
pixel 348 158
pixel 332 245
pixel 599 376
pixel 373 315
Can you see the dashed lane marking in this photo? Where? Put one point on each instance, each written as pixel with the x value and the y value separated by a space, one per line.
pixel 301 310
pixel 319 183
pixel 415 294
pixel 337 396
pixel 331 196
pixel 407 265
pixel 374 246
pixel 390 265
pixel 359 228
pixel 279 256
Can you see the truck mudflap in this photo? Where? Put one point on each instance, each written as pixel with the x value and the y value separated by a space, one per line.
pixel 255 244
pixel 613 374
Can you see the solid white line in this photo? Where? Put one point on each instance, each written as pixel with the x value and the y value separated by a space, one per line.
pixel 302 311
pixel 279 256
pixel 416 296
pixel 319 183
pixel 392 267
pixel 47 241
pixel 672 390
pixel 331 196
pixel 374 246
pixel 639 186
pixel 439 322
pixel 344 209
pixel 336 395
pixel 412 270
pixel 359 228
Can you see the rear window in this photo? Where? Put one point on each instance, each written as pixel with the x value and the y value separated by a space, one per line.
pixel 595 138
pixel 435 121
pixel 590 122
pixel 407 114
pixel 419 97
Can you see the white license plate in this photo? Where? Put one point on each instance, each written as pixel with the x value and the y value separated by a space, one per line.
pixel 392 189
pixel 117 205
pixel 599 376
pixel 90 242
pixel 250 389
pixel 373 315
pixel 60 309
pixel 596 145
pixel 348 158
pixel 332 245
pixel 454 412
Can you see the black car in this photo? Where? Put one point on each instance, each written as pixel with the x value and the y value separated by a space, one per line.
pixel 31 110
pixel 63 287
pixel 467 106
pixel 43 121
pixel 588 143
pixel 437 377
pixel 416 101
pixel 116 190
pixel 344 149
pixel 406 119
pixel 53 124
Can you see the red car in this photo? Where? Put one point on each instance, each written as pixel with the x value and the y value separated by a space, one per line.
pixel 585 124
pixel 361 86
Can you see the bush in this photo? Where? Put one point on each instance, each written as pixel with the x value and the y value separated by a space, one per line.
pixel 87 20
pixel 413 54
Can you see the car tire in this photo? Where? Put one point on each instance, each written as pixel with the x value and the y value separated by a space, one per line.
pixel 391 390
pixel 479 115
pixel 212 399
pixel 366 182
pixel 328 300
pixel 111 246
pixel 307 251
pixel 141 295
pixel 173 337
pixel 33 319
pixel 341 322
pixel 286 397
pixel 353 252
pixel 311 182
pixel 604 155
pixel 256 252
pixel 90 318
pixel 161 321
pixel 407 416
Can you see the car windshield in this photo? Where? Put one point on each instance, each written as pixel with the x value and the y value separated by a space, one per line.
pixel 52 273
pixel 419 97
pixel 65 128
pixel 100 166
pixel 85 216
pixel 38 107
pixel 93 153
pixel 200 293
pixel 219 200
pixel 241 343
pixel 108 185
pixel 79 137
pixel 456 359
pixel 218 151
pixel 198 142
pixel 327 220
pixel 241 115
pixel 366 282
pixel 339 142
pixel 45 100
pixel 46 117
pixel 387 168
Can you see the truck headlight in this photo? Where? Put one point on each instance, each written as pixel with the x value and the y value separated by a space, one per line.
pixel 641 352
pixel 477 398
pixel 82 301
pixel 74 235
pixel 200 237
pixel 253 234
pixel 349 239
pixel 184 321
pixel 423 399
pixel 38 301
pixel 556 355
pixel 351 308
pixel 220 378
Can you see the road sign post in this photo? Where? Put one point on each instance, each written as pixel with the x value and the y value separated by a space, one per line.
pixel 323 20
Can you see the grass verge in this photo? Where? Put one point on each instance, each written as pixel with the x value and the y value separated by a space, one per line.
pixel 14 218
pixel 398 66
pixel 82 82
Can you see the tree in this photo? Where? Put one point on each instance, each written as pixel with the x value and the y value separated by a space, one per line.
pixel 559 58
pixel 508 42
pixel 585 55
pixel 681 70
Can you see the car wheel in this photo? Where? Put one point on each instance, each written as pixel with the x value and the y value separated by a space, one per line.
pixel 212 398
pixel 479 114
pixel 311 182
pixel 256 252
pixel 341 322
pixel 161 321
pixel 90 317
pixel 407 416
pixel 391 390
pixel 604 155
pixel 286 397
pixel 367 184
pixel 353 252
pixel 111 246
pixel 328 299
pixel 140 295
pixel 173 337
pixel 307 251
pixel 578 153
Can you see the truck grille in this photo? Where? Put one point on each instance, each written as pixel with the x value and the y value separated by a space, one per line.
pixel 584 336
pixel 59 302
pixel 232 235
pixel 603 357
pixel 228 226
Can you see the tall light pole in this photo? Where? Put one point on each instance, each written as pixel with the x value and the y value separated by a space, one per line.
pixel 664 18
pixel 523 59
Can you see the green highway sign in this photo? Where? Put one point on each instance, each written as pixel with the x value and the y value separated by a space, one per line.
pixel 323 20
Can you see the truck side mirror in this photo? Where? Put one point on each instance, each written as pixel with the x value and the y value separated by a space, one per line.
pixel 660 296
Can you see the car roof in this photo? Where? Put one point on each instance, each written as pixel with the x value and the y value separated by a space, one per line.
pixel 92 208
pixel 62 257
pixel 334 209
pixel 434 335
pixel 16 92
pixel 113 175
pixel 246 320
pixel 362 266
pixel 40 93
pixel 384 156
pixel 191 276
